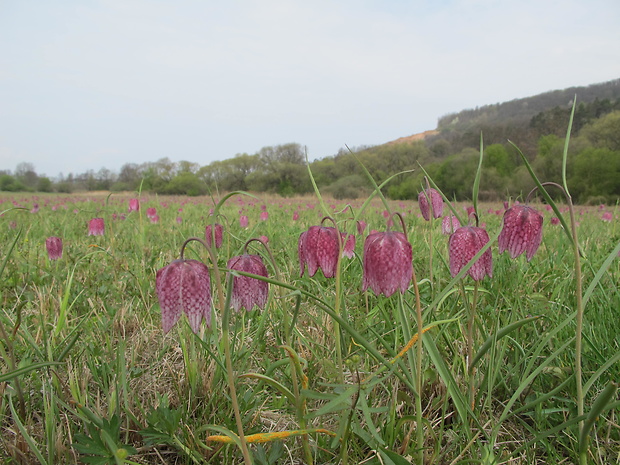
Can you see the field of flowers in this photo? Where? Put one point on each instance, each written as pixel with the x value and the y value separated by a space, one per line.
pixel 289 331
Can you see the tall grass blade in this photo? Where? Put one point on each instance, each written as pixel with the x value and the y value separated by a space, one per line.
pixel 598 407
pixel 566 143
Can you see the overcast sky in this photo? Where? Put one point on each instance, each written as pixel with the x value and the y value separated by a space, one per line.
pixel 88 84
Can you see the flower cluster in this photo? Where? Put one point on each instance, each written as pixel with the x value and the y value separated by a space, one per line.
pixel 184 285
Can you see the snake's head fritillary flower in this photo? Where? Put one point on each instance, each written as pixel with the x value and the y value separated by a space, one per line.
pixel 96 227
pixel 449 224
pixel 248 292
pixel 35 208
pixel 435 201
pixel 387 263
pixel 348 245
pixel 219 232
pixel 244 221
pixel 54 247
pixel 361 226
pixel 318 247
pixel 184 286
pixel 134 205
pixel 151 212
pixel 522 231
pixel 464 244
pixel 264 216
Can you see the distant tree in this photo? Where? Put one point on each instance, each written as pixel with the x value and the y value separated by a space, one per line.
pixel 185 184
pixel 596 174
pixel 128 179
pixel 26 174
pixel 187 167
pixel 45 184
pixel 604 132
pixel 10 184
pixel 496 156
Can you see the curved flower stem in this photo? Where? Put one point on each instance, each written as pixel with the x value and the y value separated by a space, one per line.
pixel 431 217
pixel 224 304
pixel 418 354
pixel 344 452
pixel 288 338
pixel 471 324
pixel 418 413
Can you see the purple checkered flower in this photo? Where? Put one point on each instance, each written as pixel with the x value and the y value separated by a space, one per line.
pixel 54 247
pixel 96 227
pixel 134 205
pixel 318 247
pixel 387 263
pixel 184 286
pixel 218 235
pixel 436 203
pixel 248 292
pixel 464 244
pixel 449 224
pixel 522 231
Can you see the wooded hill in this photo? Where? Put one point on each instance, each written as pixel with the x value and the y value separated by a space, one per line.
pixel 536 125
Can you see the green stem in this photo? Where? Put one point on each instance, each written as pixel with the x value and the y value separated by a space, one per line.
pixel 579 327
pixel 300 403
pixel 470 345
pixel 418 413
pixel 224 304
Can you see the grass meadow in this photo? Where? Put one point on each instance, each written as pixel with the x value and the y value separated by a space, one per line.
pixel 325 373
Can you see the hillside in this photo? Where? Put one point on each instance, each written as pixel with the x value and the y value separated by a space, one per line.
pixel 523 109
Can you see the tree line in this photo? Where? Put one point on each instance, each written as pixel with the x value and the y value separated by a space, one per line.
pixel 450 158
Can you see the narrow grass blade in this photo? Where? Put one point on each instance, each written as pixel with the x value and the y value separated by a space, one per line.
pixel 317 192
pixel 598 406
pixel 31 444
pixel 476 187
pixel 484 348
pixel 602 369
pixel 8 254
pixel 273 383
pixel 566 142
pixel 611 258
pixel 27 369
pixel 448 379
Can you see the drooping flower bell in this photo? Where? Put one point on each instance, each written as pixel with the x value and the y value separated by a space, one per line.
pixel 348 245
pixel 218 235
pixel 464 244
pixel 151 212
pixel 96 227
pixel 387 263
pixel 54 247
pixel 436 203
pixel 248 292
pixel 521 232
pixel 318 247
pixel 449 224
pixel 184 286
pixel 134 205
